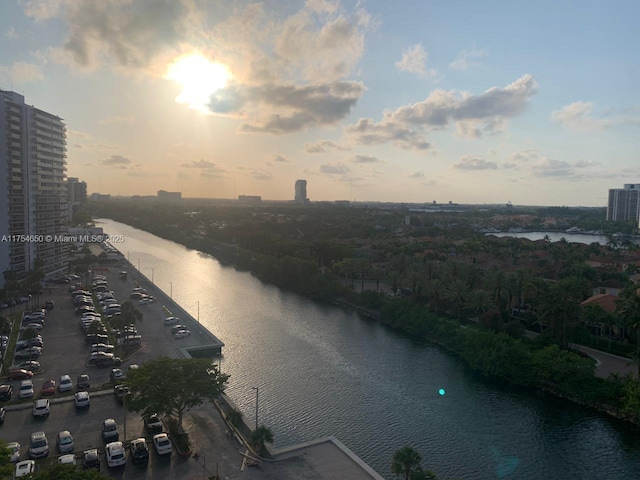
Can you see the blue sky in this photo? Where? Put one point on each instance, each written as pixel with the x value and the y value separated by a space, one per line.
pixel 469 102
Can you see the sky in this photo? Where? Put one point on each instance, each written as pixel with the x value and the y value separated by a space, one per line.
pixel 487 102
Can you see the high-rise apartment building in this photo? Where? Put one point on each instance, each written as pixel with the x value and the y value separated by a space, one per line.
pixel 301 192
pixel 624 203
pixel 33 193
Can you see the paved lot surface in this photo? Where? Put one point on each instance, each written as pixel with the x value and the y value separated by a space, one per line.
pixel 66 352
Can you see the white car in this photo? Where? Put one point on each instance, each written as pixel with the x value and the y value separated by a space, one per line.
pixel 35 326
pixel 171 320
pixel 69 458
pixel 26 389
pixel 41 408
pixel 115 454
pixel 182 334
pixel 24 468
pixel 65 384
pixel 162 443
pixel 82 399
pixel 14 448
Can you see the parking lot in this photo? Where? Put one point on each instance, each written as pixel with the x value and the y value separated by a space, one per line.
pixel 65 352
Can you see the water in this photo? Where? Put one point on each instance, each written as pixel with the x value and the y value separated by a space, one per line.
pixel 321 371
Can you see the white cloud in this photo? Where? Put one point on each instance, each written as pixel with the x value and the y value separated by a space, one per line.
pixel 322 146
pixel 117 161
pixel 334 169
pixel 470 162
pixel 473 115
pixel 578 116
pixel 365 159
pixel 466 59
pixel 414 60
pixel 11 33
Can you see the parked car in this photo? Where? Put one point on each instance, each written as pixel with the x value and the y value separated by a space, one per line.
pixel 152 423
pixel 26 389
pixel 68 459
pixel 162 443
pixel 116 375
pixel 120 392
pixel 65 384
pixel 19 374
pixel 49 305
pixel 48 387
pixel 102 347
pixel 182 334
pixel 38 446
pixel 34 325
pixel 2 414
pixel 6 392
pixel 14 452
pixel 90 459
pixel 83 382
pixel 64 442
pixel 109 360
pixel 31 352
pixel 97 338
pixel 82 399
pixel 25 468
pixel 41 408
pixel 116 455
pixel 110 430
pixel 30 365
pixel 177 328
pixel 139 450
pixel 171 320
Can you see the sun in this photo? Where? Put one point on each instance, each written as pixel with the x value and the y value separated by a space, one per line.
pixel 199 78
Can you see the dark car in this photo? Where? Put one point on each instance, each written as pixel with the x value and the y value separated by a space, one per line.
pixel 139 450
pixel 120 392
pixel 177 328
pixel 90 459
pixel 2 412
pixel 19 374
pixel 108 360
pixel 97 338
pixel 49 305
pixel 83 382
pixel 6 392
pixel 153 424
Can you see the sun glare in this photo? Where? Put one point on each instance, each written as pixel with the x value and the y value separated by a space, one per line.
pixel 199 79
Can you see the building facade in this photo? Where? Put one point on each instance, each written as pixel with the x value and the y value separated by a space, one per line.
pixel 624 203
pixel 301 192
pixel 34 200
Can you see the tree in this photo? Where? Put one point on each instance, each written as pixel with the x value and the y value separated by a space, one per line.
pixel 406 461
pixel 29 333
pixel 6 467
pixel 173 386
pixel 260 437
pixel 628 309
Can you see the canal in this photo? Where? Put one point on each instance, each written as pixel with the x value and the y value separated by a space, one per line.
pixel 322 371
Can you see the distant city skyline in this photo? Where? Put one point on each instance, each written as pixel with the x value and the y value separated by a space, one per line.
pixel 475 103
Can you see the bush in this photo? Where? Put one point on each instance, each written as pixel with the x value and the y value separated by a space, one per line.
pixel 179 437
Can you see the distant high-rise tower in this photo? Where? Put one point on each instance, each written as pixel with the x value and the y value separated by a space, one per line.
pixel 34 201
pixel 301 192
pixel 624 203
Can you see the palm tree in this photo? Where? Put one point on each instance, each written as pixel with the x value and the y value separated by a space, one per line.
pixel 259 437
pixel 406 461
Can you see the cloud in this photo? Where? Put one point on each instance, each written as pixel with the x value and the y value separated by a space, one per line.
pixel 200 164
pixel 543 166
pixel 279 158
pixel 261 174
pixel 20 72
pixel 466 59
pixel 414 60
pixel 473 115
pixel 300 107
pixel 577 116
pixel 117 120
pixel 117 161
pixel 323 146
pixel 11 33
pixel 470 162
pixel 334 169
pixel 418 174
pixel 364 159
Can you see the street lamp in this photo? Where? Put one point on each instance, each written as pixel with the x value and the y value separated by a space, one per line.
pixel 138 265
pixel 151 276
pixel 257 389
pixel 171 290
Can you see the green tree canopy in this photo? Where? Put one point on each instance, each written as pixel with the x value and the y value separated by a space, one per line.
pixel 59 471
pixel 406 462
pixel 172 386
